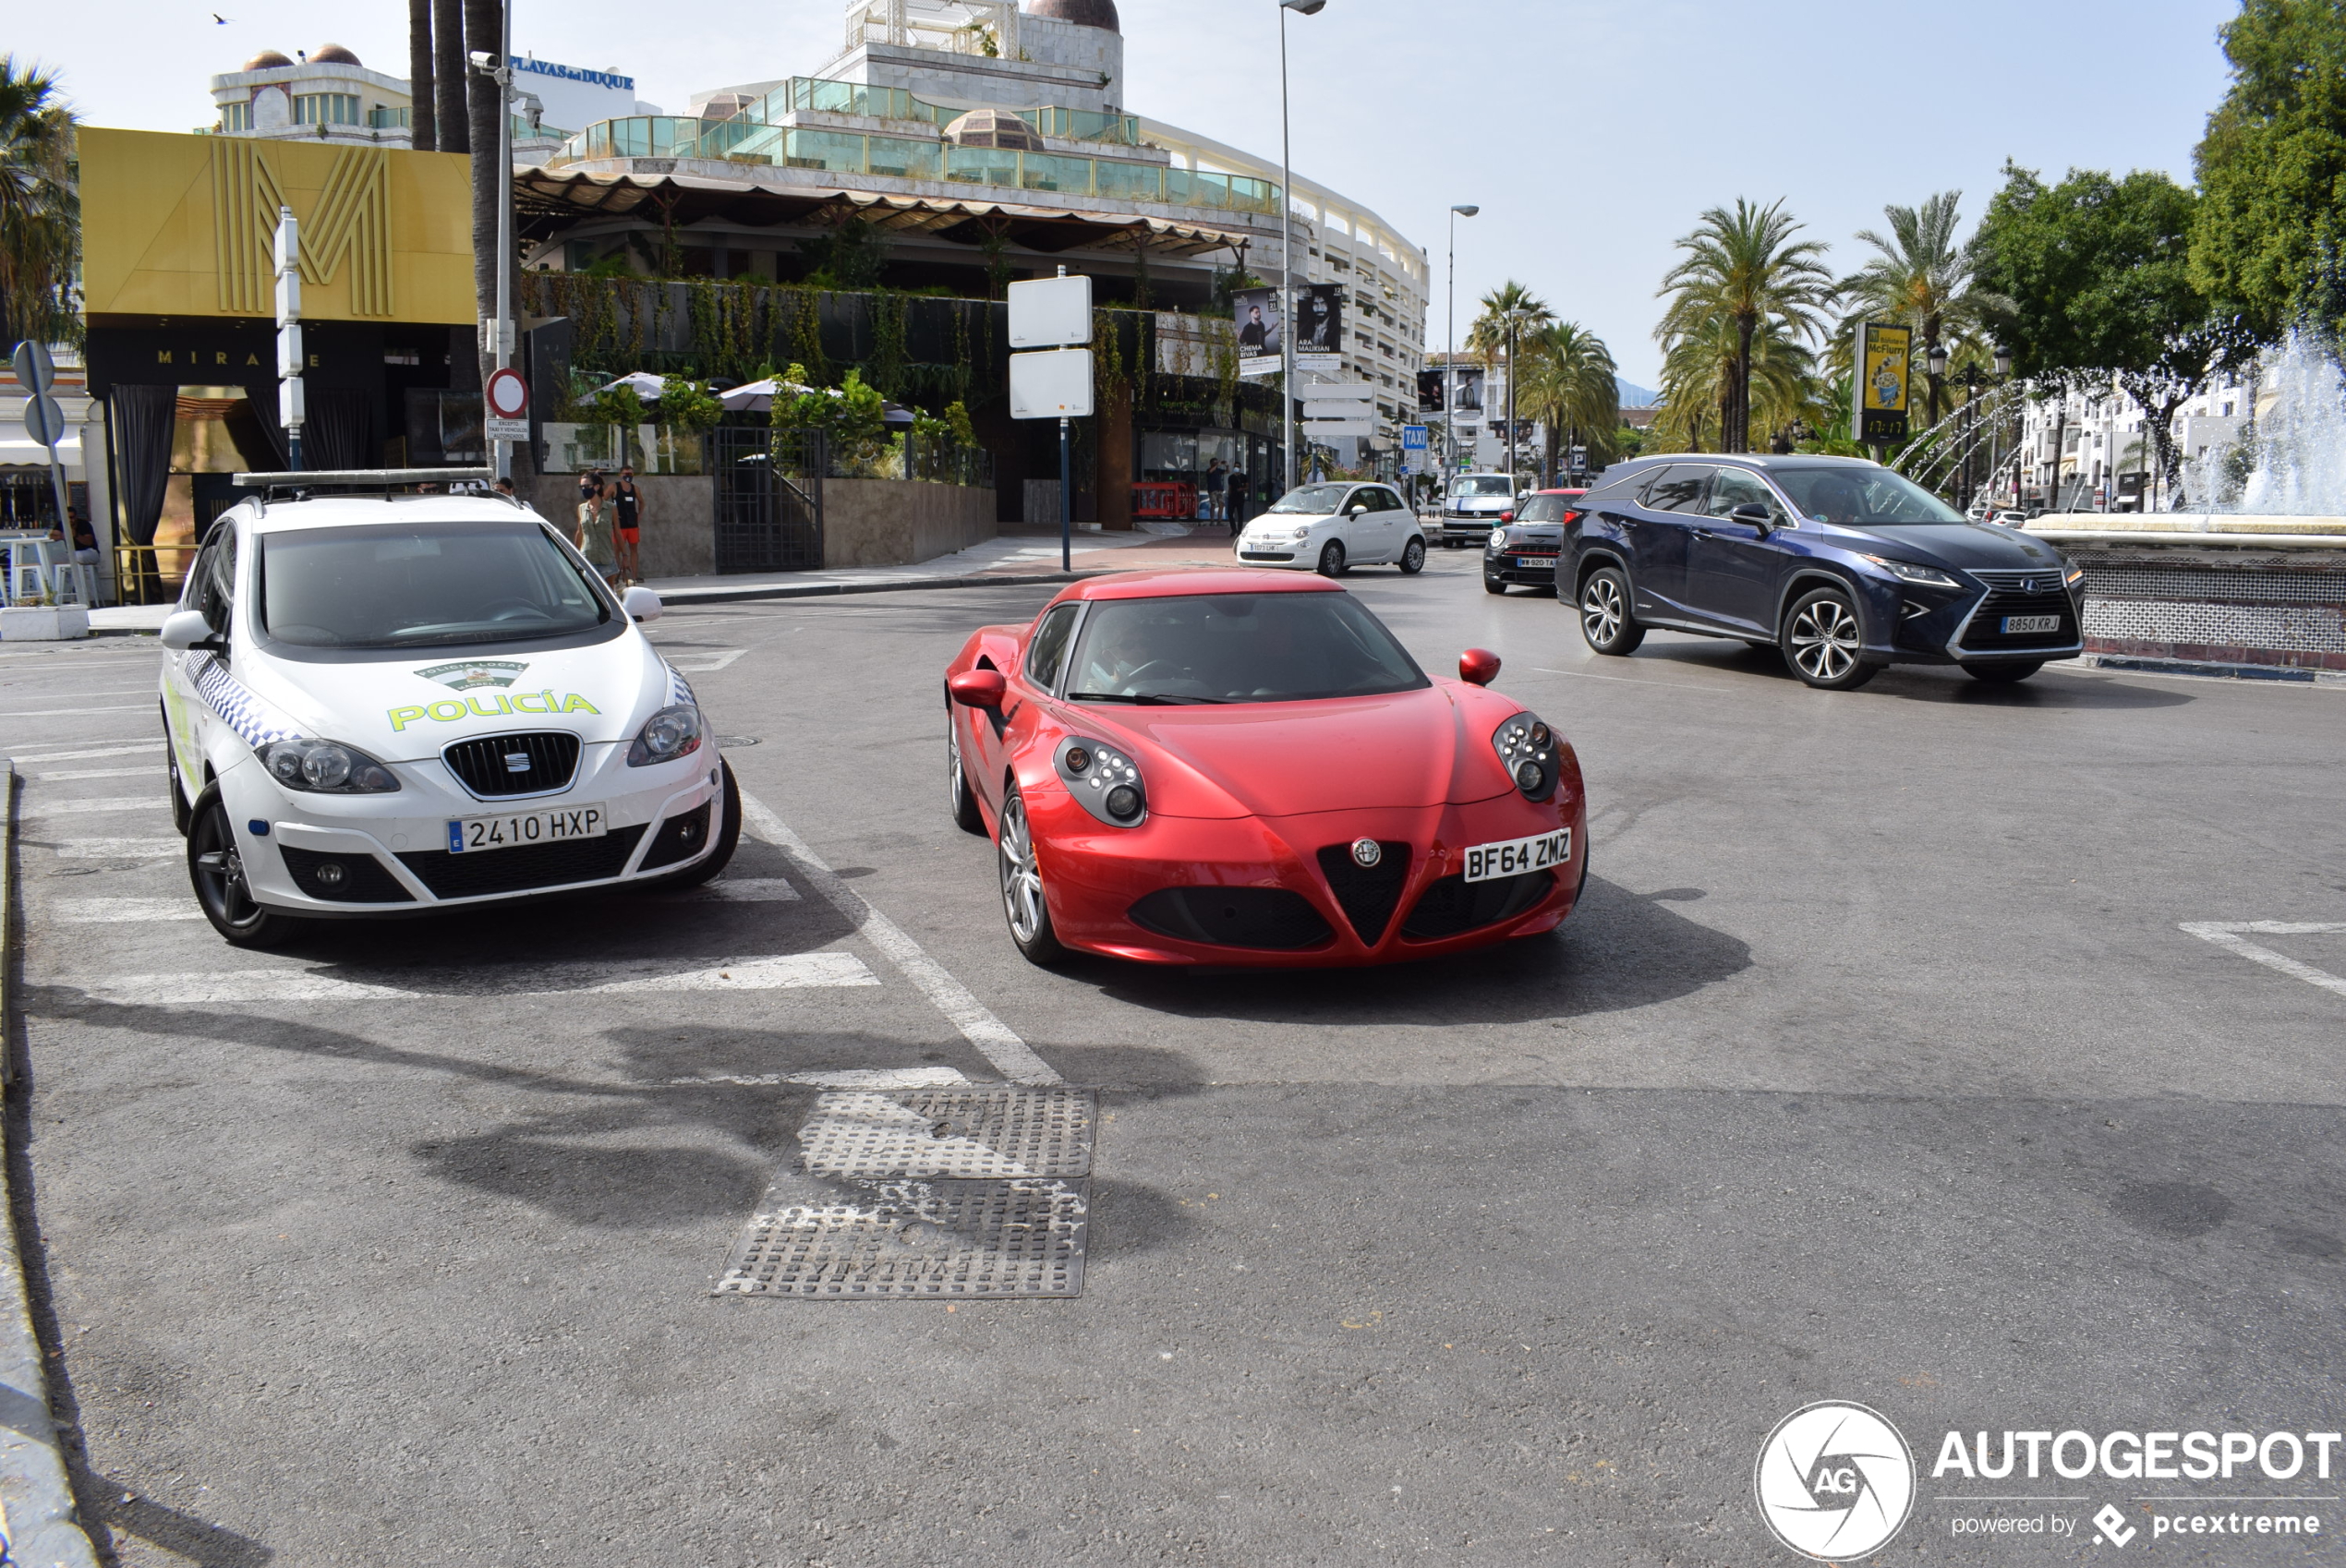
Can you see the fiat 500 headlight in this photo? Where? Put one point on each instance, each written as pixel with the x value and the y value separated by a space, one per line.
pixel 670 734
pixel 1531 754
pixel 1104 781
pixel 325 767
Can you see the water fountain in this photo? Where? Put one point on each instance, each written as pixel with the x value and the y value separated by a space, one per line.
pixel 2251 581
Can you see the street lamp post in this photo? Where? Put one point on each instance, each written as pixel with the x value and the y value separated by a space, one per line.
pixel 2003 376
pixel 1450 353
pixel 1936 358
pixel 1287 245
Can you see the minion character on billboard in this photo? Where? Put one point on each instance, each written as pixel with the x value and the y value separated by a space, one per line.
pixel 1882 371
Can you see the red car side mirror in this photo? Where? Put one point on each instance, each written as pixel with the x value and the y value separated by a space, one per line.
pixel 978 688
pixel 1478 667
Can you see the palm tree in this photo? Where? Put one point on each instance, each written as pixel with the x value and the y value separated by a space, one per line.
pixel 1510 313
pixel 1699 382
pixel 1923 278
pixel 40 211
pixel 1744 266
pixel 1568 383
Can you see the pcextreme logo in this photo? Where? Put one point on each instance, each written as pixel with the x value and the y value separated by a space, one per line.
pixel 1835 1481
pixel 479 707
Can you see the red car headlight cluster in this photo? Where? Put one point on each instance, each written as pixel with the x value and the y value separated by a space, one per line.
pixel 1104 781
pixel 1531 754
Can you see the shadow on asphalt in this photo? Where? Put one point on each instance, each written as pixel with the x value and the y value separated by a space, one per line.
pixel 1924 682
pixel 1619 952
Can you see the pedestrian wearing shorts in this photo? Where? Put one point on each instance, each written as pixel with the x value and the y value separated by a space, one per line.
pixel 628 504
pixel 595 530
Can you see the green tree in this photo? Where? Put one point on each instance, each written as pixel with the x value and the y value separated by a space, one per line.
pixel 689 406
pixel 1700 392
pixel 1922 278
pixel 2096 279
pixel 40 208
pixel 1569 386
pixel 1511 313
pixel 1744 267
pixel 2270 242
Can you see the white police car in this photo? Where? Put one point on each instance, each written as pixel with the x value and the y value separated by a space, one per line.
pixel 389 704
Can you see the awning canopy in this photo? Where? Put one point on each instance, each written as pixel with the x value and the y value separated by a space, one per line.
pixel 548 202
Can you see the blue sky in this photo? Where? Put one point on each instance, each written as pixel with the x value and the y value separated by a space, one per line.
pixel 1592 135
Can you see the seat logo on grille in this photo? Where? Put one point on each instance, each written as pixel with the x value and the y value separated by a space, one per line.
pixel 1367 852
pixel 517 762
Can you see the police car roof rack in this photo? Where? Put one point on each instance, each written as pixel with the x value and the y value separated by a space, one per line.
pixel 303 484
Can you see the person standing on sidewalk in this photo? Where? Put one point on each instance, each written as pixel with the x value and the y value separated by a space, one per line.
pixel 629 503
pixel 1217 492
pixel 1235 507
pixel 594 535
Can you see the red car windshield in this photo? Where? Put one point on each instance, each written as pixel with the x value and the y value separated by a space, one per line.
pixel 1237 648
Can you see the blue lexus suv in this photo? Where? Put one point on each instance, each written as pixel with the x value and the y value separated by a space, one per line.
pixel 1841 563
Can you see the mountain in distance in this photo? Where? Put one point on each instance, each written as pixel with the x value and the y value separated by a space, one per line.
pixel 1635 396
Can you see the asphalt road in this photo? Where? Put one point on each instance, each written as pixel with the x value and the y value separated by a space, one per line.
pixel 1877 1065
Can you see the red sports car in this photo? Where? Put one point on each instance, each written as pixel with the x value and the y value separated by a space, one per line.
pixel 1223 767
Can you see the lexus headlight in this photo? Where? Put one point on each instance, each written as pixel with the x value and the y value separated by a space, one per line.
pixel 670 734
pixel 2076 575
pixel 1498 538
pixel 1929 576
pixel 1104 781
pixel 325 767
pixel 1531 754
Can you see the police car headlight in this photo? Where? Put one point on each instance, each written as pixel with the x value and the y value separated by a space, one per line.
pixel 1529 752
pixel 325 767
pixel 670 734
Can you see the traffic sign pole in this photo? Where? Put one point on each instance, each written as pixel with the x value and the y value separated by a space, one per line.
pixel 44 418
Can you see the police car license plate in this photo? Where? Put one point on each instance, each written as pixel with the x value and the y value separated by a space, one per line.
pixel 2014 624
pixel 517 829
pixel 1486 861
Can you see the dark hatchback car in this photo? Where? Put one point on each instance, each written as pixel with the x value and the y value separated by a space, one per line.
pixel 1522 548
pixel 1843 564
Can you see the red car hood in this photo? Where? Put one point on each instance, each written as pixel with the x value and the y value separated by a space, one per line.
pixel 1420 748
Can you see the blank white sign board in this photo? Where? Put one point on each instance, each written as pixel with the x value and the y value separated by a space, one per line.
pixel 1051 312
pixel 1054 385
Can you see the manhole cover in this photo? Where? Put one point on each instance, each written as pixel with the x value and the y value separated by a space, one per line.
pixel 992 1238
pixel 974 1132
pixel 736 742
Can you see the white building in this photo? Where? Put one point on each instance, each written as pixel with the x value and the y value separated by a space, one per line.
pixel 2098 442
pixel 330 95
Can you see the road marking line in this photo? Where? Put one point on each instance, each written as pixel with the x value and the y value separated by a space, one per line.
pixel 707 663
pixel 76 712
pixel 1009 1056
pixel 2226 934
pixel 789 971
pixel 748 890
pixel 858 1078
pixel 121 849
pixel 111 911
pixel 149 745
pixel 91 773
pixel 111 803
pixel 1641 681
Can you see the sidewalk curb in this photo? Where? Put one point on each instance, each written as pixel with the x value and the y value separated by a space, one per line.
pixel 39 1527
pixel 825 590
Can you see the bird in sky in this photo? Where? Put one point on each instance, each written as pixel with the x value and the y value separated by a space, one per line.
pixel 220 20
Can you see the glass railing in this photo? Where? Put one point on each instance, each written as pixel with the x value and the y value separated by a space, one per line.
pixel 744 140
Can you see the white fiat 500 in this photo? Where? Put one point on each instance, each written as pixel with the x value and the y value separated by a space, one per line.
pixel 388 704
pixel 1329 528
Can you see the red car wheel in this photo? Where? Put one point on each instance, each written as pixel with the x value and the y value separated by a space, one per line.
pixel 1023 901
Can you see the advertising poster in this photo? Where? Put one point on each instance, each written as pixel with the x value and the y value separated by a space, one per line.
pixel 1470 385
pixel 1883 370
pixel 1429 392
pixel 1259 330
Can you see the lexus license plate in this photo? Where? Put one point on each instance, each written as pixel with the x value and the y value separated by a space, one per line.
pixel 517 829
pixel 2019 623
pixel 1486 861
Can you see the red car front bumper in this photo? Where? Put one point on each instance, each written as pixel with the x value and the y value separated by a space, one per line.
pixel 1093 878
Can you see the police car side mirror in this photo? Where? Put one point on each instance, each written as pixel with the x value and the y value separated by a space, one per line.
pixel 640 603
pixel 186 630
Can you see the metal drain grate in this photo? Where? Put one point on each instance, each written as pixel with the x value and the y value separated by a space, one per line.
pixel 990 1238
pixel 956 1132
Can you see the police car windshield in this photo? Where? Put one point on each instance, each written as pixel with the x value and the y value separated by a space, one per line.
pixel 422 585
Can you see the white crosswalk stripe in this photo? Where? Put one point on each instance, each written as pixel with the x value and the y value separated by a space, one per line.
pixel 789 971
pixel 121 849
pixel 89 773
pixel 111 803
pixel 109 912
pixel 748 890
pixel 121 749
